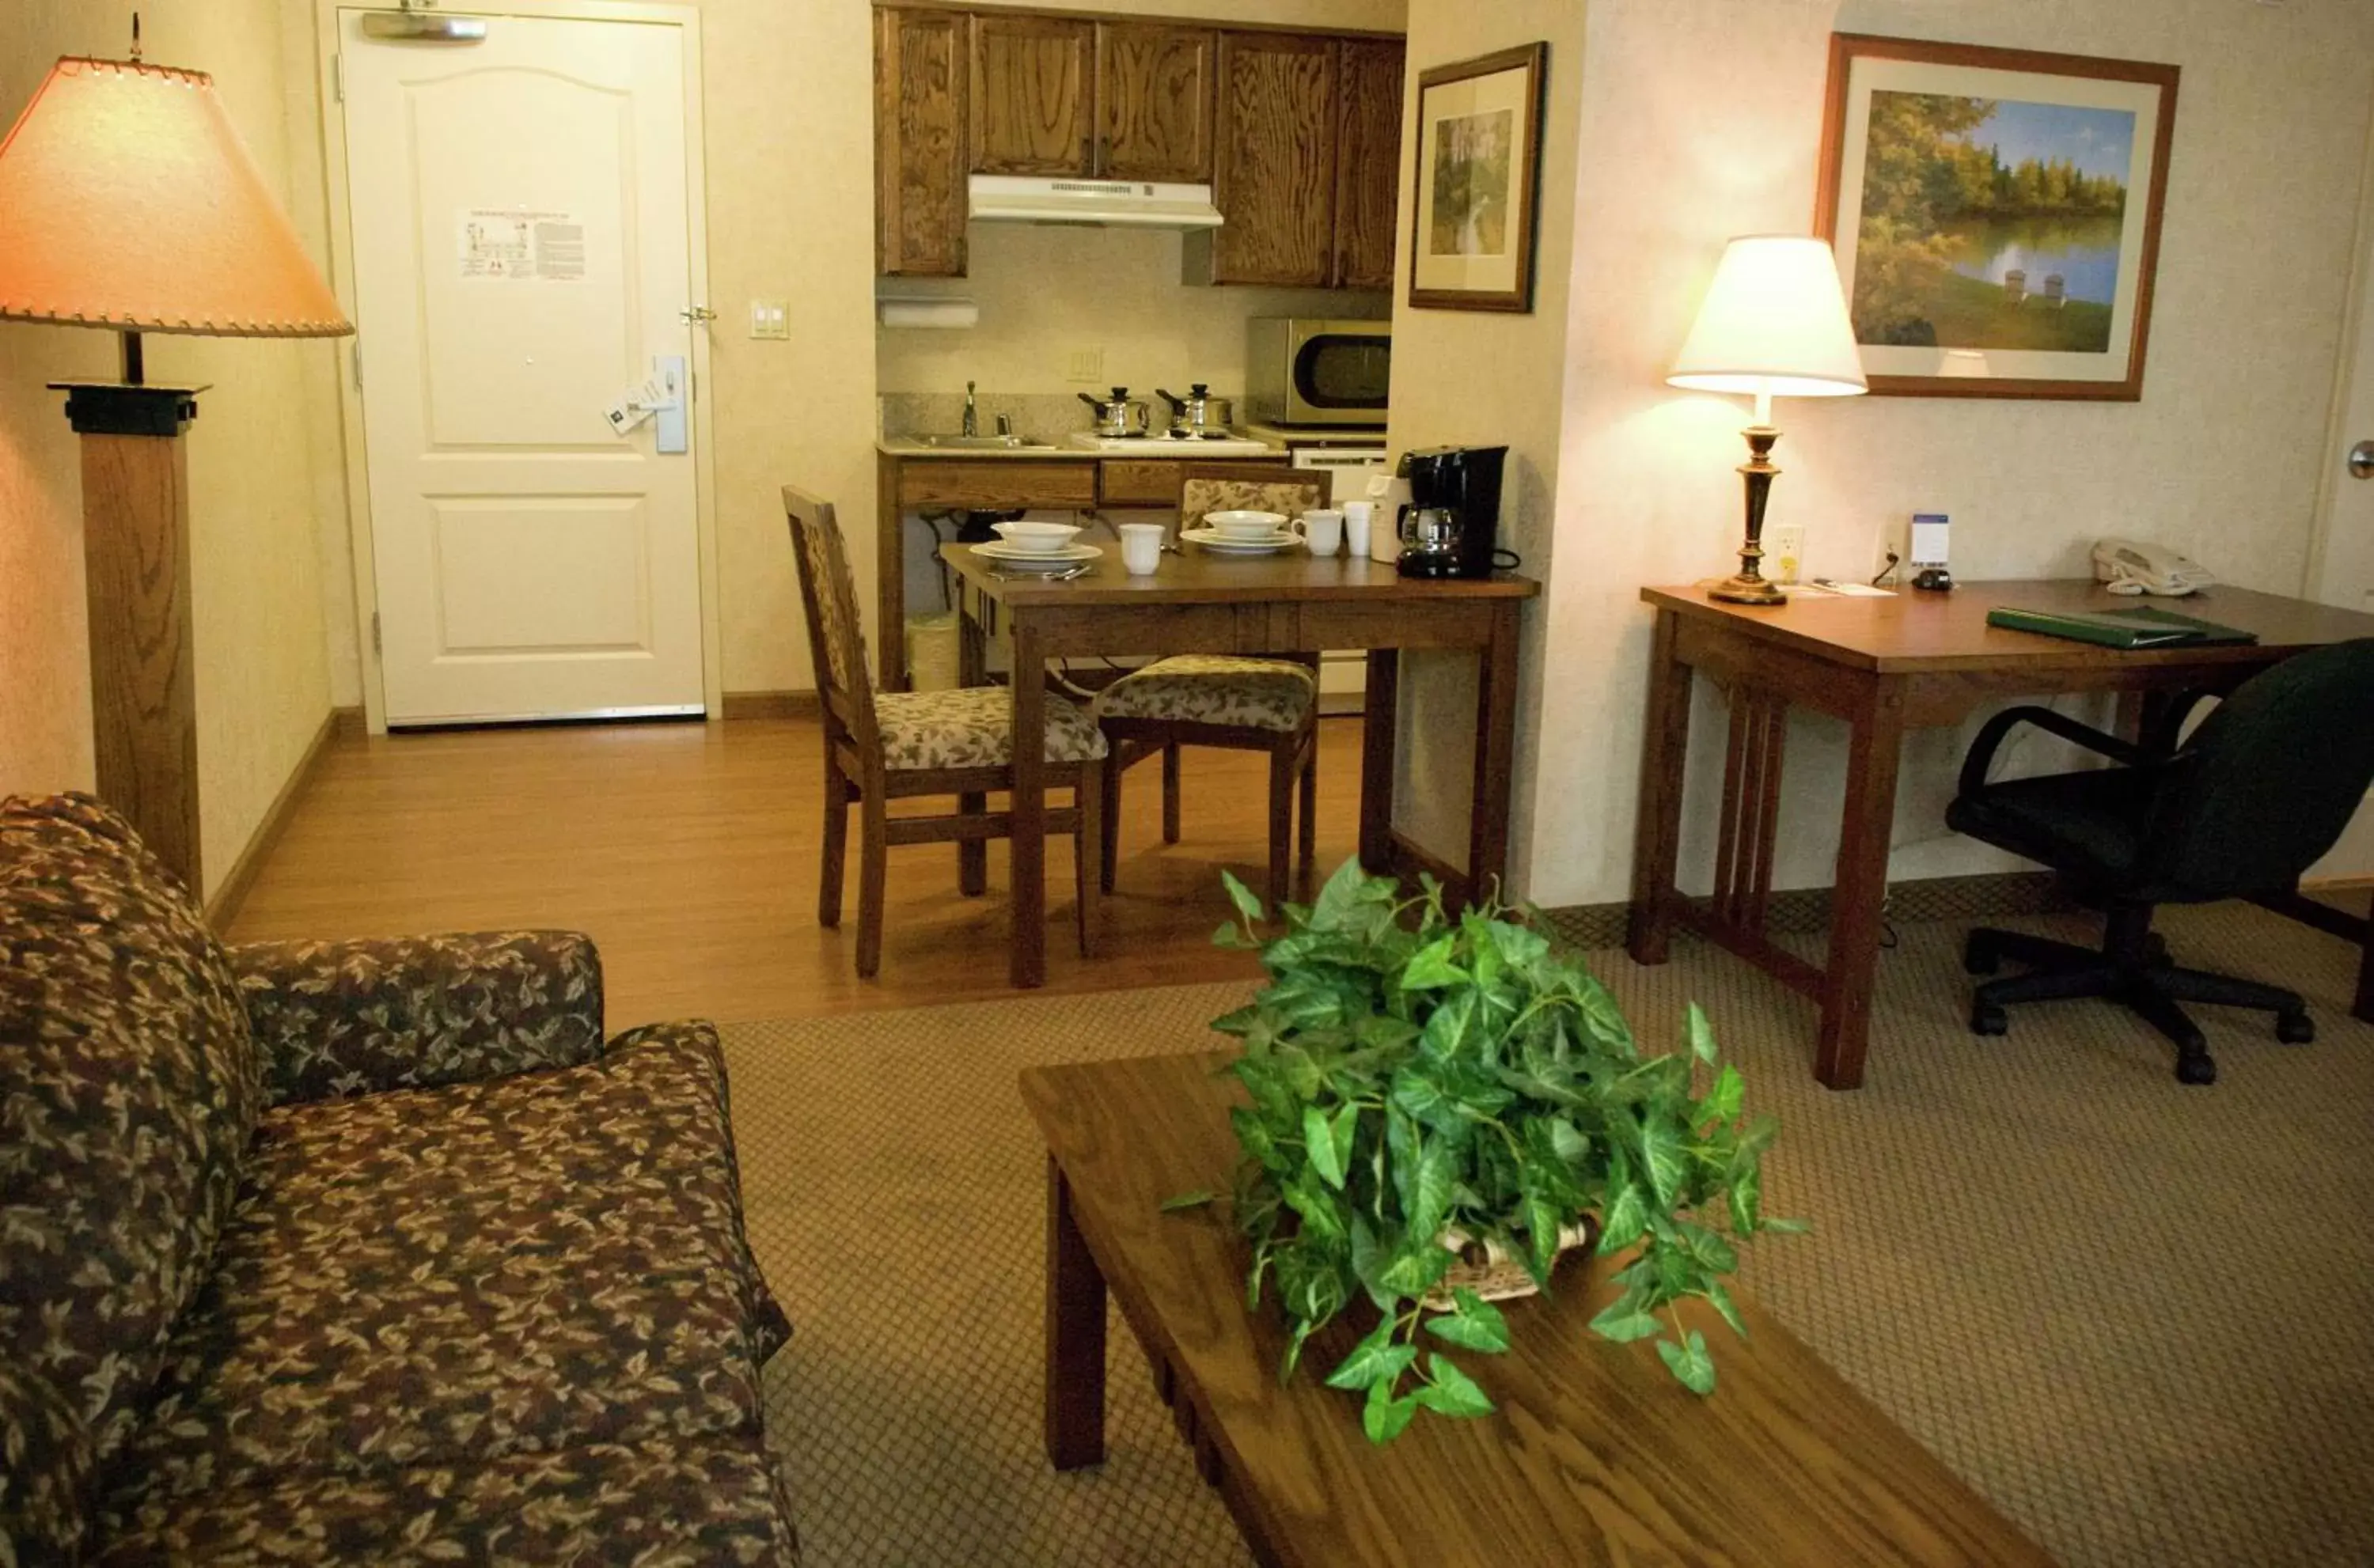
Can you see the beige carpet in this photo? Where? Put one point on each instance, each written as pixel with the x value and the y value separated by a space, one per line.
pixel 2139 1318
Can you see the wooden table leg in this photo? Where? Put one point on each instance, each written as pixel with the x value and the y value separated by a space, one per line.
pixel 1027 852
pixel 1076 1336
pixel 1380 715
pixel 1495 751
pixel 1657 830
pixel 973 666
pixel 2365 1004
pixel 1860 888
pixel 890 576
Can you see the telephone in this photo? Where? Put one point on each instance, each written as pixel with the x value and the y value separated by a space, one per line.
pixel 2134 566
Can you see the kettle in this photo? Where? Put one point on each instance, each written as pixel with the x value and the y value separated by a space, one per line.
pixel 1430 541
pixel 1115 415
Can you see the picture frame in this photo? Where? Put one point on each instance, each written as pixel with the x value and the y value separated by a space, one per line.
pixel 1477 205
pixel 1996 215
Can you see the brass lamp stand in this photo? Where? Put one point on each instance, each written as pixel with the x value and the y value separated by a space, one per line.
pixel 1748 585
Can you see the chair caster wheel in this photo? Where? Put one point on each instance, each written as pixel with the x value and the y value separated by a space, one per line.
pixel 1986 1018
pixel 1979 957
pixel 2296 1028
pixel 2195 1066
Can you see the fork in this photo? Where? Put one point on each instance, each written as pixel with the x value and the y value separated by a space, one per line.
pixel 1083 569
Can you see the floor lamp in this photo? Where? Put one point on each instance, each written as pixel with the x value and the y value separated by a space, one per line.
pixel 127 202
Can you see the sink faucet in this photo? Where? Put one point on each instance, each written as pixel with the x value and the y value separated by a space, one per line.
pixel 972 415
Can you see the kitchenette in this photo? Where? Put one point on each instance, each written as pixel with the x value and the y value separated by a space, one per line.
pixel 1111 249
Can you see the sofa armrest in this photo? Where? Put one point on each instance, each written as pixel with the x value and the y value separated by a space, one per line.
pixel 399 1012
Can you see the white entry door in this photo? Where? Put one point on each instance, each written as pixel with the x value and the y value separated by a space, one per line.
pixel 522 228
pixel 2346 572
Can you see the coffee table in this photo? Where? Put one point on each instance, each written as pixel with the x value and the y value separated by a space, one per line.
pixel 1596 1455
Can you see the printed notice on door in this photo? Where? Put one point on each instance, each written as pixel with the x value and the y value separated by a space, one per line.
pixel 505 244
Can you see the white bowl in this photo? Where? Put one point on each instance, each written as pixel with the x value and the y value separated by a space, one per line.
pixel 1037 538
pixel 1244 524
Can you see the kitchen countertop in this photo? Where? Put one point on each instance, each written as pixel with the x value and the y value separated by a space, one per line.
pixel 910 447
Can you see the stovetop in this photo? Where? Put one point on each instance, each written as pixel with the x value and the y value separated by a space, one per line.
pixel 1168 445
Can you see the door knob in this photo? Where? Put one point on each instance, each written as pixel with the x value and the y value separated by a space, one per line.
pixel 695 315
pixel 2361 461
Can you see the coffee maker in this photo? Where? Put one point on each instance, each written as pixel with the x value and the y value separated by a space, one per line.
pixel 1448 528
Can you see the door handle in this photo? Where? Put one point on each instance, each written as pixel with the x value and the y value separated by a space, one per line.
pixel 696 315
pixel 2361 461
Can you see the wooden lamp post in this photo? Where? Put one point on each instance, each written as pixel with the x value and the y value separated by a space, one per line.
pixel 127 202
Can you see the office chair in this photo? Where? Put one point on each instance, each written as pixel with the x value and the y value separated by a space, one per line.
pixel 2264 787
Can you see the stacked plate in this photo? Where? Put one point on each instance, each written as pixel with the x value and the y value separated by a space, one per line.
pixel 1243 532
pixel 1036 547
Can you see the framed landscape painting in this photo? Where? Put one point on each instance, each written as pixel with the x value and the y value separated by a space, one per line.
pixel 1996 215
pixel 1479 155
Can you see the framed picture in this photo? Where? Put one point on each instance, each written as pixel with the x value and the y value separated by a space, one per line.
pixel 1996 215
pixel 1479 156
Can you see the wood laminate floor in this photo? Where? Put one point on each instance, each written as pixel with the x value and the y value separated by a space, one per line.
pixel 689 852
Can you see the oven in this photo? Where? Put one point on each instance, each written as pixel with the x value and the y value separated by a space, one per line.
pixel 1311 371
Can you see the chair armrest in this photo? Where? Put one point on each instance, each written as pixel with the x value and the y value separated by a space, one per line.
pixel 337 1018
pixel 1982 755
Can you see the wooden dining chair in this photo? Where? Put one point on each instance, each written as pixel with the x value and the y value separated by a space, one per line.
pixel 884 746
pixel 1268 705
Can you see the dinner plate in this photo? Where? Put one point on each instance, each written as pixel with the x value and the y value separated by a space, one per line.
pixel 1006 555
pixel 1238 545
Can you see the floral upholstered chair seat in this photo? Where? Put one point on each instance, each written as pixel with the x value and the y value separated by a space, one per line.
pixel 972 727
pixel 1213 688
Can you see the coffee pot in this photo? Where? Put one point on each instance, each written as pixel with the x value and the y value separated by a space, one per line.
pixel 1448 528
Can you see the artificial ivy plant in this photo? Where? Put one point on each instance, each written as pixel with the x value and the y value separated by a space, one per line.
pixel 1413 1075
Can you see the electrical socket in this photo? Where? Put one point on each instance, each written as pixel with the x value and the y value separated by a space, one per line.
pixel 1895 539
pixel 770 319
pixel 1784 548
pixel 1085 367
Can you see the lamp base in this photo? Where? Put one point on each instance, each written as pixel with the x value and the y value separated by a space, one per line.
pixel 1741 588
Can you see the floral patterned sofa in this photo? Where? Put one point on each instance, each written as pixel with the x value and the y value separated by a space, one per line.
pixel 362 1252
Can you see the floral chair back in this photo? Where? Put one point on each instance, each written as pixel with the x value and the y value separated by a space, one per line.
pixel 835 645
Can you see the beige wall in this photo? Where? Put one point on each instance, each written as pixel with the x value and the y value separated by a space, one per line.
pixel 262 674
pixel 1487 378
pixel 1701 119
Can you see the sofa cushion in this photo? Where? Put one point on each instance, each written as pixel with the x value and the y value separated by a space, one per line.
pixel 45 1469
pixel 505 1266
pixel 128 1092
pixel 713 1500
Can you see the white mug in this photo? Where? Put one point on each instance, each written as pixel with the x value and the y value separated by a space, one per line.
pixel 1323 530
pixel 1357 515
pixel 1141 547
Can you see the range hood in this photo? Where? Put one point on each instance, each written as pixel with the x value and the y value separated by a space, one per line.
pixel 1119 204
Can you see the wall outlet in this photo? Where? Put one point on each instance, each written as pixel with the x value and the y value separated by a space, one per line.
pixel 1784 552
pixel 1895 539
pixel 1085 367
pixel 770 319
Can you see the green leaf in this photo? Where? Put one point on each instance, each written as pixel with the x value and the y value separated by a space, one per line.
pixel 1690 1364
pixel 1521 946
pixel 1452 1392
pixel 1661 1149
pixel 1349 895
pixel 1327 1155
pixel 1542 1219
pixel 1415 1267
pixel 1625 1321
pixel 1383 1416
pixel 1446 1028
pixel 1253 1138
pixel 1322 1213
pixel 1432 1183
pixel 1786 1227
pixel 1194 1199
pixel 1476 1325
pixel 1624 1220
pixel 1376 1359
pixel 1717 1293
pixel 1229 935
pixel 1700 1034
pixel 1249 904
pixel 1430 967
pixel 1720 1106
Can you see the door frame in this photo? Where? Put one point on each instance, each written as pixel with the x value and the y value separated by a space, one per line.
pixel 660 13
pixel 2355 306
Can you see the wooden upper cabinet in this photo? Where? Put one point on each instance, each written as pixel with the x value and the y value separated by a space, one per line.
pixel 1032 83
pixel 919 80
pixel 1368 161
pixel 1274 169
pixel 1154 101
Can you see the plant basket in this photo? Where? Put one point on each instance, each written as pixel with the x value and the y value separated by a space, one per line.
pixel 1495 1273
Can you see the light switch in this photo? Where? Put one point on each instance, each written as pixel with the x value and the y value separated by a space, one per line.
pixel 770 319
pixel 1084 365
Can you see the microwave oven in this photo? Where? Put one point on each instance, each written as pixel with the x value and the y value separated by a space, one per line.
pixel 1304 370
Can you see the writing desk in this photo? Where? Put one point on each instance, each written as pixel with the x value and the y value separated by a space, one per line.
pixel 1885 666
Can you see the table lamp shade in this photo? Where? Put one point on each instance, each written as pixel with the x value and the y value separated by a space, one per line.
pixel 127 201
pixel 1774 322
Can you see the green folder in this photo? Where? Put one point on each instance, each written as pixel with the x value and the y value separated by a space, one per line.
pixel 2119 628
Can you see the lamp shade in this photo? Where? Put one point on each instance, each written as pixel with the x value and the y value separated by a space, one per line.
pixel 1774 324
pixel 127 201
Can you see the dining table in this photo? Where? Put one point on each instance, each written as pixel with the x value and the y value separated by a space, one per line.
pixel 1199 600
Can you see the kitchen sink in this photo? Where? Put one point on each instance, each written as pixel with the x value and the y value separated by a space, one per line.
pixel 986 443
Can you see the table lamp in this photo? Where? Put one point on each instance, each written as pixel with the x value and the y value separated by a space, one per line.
pixel 127 202
pixel 1774 324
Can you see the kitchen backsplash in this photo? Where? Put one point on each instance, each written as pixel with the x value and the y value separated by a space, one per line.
pixel 1042 416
